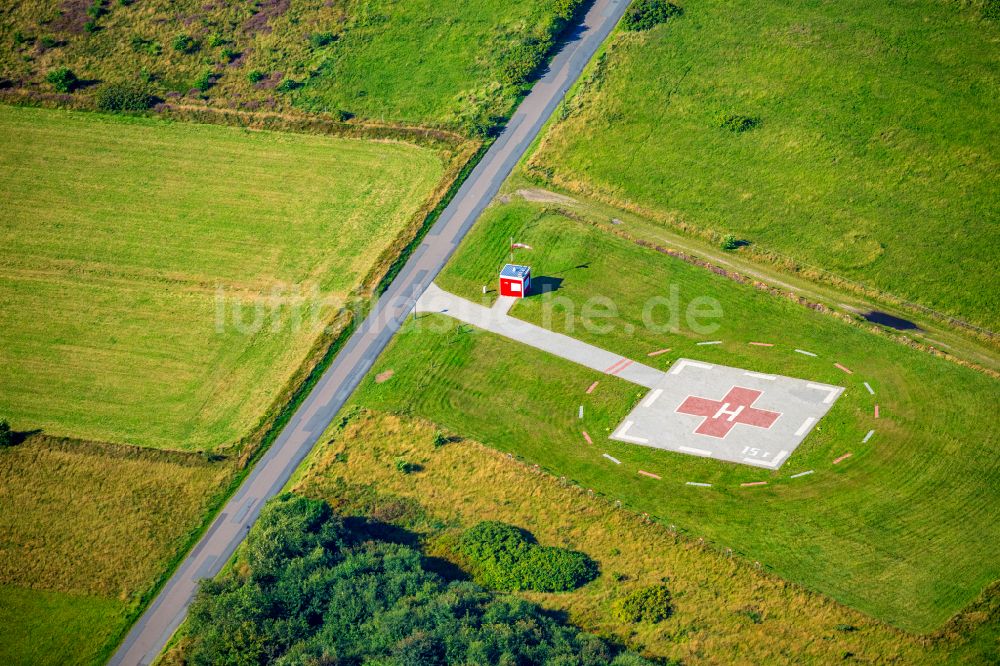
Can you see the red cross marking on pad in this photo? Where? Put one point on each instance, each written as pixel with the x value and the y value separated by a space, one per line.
pixel 721 416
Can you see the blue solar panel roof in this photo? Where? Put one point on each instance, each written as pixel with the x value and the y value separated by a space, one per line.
pixel 515 271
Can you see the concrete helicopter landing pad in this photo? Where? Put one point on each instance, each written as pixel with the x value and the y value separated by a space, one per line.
pixel 727 413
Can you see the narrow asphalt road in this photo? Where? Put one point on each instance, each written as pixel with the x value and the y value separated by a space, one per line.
pixel 144 642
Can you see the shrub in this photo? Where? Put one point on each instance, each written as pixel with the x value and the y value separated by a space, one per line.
pixel 48 42
pixel 6 434
pixel 646 14
pixel 439 439
pixel 991 10
pixel 205 80
pixel 321 39
pixel 736 122
pixel 647 604
pixel 91 26
pixel 405 467
pixel 140 45
pixel 255 76
pixel 21 38
pixel 228 54
pixel 288 85
pixel 342 116
pixel 185 44
pixel 505 558
pixel 216 39
pixel 96 10
pixel 63 79
pixel 730 243
pixel 124 97
pixel 520 61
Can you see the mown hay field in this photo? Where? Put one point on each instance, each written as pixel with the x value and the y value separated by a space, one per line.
pixel 162 282
pixel 88 529
pixel 724 609
pixel 902 530
pixel 875 154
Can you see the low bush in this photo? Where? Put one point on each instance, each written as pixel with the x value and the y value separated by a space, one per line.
pixel 205 80
pixel 648 604
pixel 140 45
pixel 185 44
pixel 737 122
pixel 124 97
pixel 521 60
pixel 991 10
pixel 97 10
pixel 288 85
pixel 321 39
pixel 63 79
pixel 256 76
pixel 730 243
pixel 6 434
pixel 646 14
pixel 49 42
pixel 402 465
pixel 505 558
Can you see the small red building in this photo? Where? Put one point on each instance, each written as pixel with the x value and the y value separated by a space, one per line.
pixel 515 280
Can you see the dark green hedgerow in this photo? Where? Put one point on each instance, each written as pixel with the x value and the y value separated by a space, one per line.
pixel 124 96
pixel 646 14
pixel 505 558
pixel 647 604
pixel 306 591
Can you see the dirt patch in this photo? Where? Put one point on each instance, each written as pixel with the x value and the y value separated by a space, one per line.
pixel 269 81
pixel 384 376
pixel 539 195
pixel 72 16
pixel 267 10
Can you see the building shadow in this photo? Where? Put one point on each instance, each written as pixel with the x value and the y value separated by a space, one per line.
pixel 886 319
pixel 544 284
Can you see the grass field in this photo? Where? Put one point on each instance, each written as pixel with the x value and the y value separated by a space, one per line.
pixel 903 530
pixel 876 155
pixel 120 237
pixel 39 627
pixel 725 611
pixel 416 61
pixel 88 529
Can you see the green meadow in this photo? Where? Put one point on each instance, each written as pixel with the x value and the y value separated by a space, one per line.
pixel 416 61
pixel 902 530
pixel 875 155
pixel 725 610
pixel 88 531
pixel 162 282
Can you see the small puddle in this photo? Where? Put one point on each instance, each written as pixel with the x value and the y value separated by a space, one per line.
pixel 886 319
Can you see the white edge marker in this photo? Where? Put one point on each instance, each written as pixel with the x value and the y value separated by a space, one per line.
pixel 697 452
pixel 648 402
pixel 683 363
pixel 870 389
pixel 803 351
pixel 710 342
pixel 805 426
pixel 760 376
pixel 700 485
pixel 621 434
pixel 831 392
pixel 581 411
pixel 612 459
pixel 868 436
pixel 795 476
